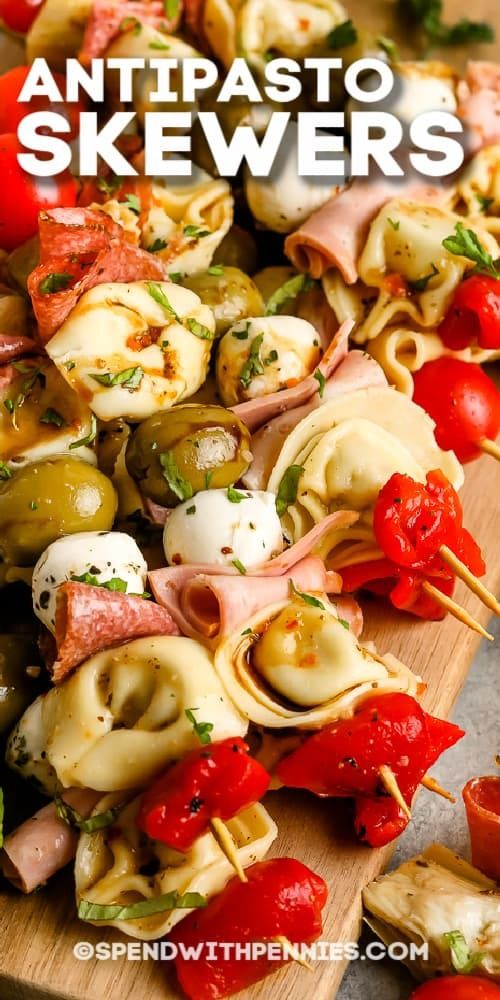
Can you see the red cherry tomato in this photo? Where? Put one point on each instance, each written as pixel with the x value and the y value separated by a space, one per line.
pixel 12 112
pixel 463 402
pixel 474 315
pixel 457 988
pixel 22 196
pixel 19 15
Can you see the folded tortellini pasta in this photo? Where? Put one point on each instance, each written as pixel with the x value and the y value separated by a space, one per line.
pixel 110 864
pixel 121 717
pixel 405 272
pixel 252 28
pixel 130 350
pixel 296 664
pixel 41 416
pixel 57 31
pixel 477 191
pixel 433 895
pixel 348 448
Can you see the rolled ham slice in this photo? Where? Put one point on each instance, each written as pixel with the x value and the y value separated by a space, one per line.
pixel 209 602
pixel 479 104
pixel 107 17
pixel 255 412
pixel 357 371
pixel 90 619
pixel 482 806
pixel 44 844
pixel 13 346
pixel 92 248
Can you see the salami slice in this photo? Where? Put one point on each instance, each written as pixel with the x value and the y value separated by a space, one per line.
pixel 107 21
pixel 90 619
pixel 14 345
pixel 87 248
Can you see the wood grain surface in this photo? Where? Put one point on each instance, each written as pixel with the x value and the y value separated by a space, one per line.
pixel 37 933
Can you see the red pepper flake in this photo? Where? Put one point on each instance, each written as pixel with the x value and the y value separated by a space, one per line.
pixel 396 285
pixel 226 550
pixel 177 559
pixel 291 625
pixel 304 24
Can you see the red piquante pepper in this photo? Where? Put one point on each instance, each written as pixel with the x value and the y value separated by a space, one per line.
pixel 457 988
pixel 482 806
pixel 216 780
pixel 344 760
pixel 282 898
pixel 403 587
pixel 474 315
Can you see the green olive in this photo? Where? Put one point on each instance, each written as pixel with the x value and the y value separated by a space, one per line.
pixel 22 261
pixel 230 294
pixel 17 688
pixel 47 499
pixel 238 249
pixel 200 446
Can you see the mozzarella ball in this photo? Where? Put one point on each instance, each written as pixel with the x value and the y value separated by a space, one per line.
pixel 127 355
pixel 264 355
pixel 308 656
pixel 418 87
pixel 284 200
pixel 211 528
pixel 106 555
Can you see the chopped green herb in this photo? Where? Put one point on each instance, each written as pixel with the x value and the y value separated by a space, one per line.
pixel 158 44
pixel 198 329
pixel 208 479
pixel 158 245
pixel 428 14
pixel 253 365
pixel 343 35
pixel 216 270
pixel 180 487
pixel 201 729
pixel 9 405
pixel 132 202
pixel 69 365
pixel 395 224
pixel 388 45
pixel 463 960
pixel 241 334
pixel 33 505
pixel 196 231
pixel 175 276
pixel 34 375
pixel 239 566
pixel 156 292
pixel 321 380
pixel 54 283
pixel 130 378
pixel 172 8
pixel 466 244
pixel 307 598
pixel 146 907
pixel 131 24
pixel 52 417
pixel 344 623
pixel 89 438
pixel 287 292
pixel 115 584
pixel 191 510
pixel 287 490
pixel 248 631
pixel 271 357
pixel 234 496
pixel 90 825
pixel 420 284
pixel 484 203
pixel 110 186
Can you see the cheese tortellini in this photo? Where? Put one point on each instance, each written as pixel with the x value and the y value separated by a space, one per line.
pixel 130 350
pixel 295 654
pixel 263 355
pixel 348 448
pixel 401 351
pixel 418 87
pixel 252 28
pixel 121 717
pixel 109 869
pixel 430 896
pixel 40 416
pixel 477 191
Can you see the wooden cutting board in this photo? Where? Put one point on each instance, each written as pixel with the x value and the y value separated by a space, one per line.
pixel 37 933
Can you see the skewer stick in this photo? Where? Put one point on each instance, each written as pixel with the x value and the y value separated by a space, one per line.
pixel 460 613
pixel 227 846
pixel 290 950
pixel 471 581
pixel 433 786
pixel 388 779
pixel 490 447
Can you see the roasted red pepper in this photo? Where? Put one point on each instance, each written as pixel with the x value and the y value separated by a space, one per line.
pixel 216 780
pixel 411 521
pixel 403 587
pixel 282 898
pixel 474 315
pixel 344 760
